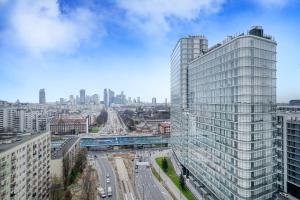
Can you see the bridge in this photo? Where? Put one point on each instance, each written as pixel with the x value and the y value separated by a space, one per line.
pixel 108 141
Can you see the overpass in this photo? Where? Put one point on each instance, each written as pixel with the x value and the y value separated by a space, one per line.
pixel 118 140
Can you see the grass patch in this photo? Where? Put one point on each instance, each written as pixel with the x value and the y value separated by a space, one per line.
pixel 156 174
pixel 94 129
pixel 175 179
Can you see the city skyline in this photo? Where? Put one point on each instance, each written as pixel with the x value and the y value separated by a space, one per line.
pixel 126 44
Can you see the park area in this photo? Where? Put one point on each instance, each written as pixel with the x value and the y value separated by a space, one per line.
pixel 94 129
pixel 166 165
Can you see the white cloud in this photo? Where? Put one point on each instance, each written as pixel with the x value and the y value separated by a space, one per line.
pixel 40 27
pixel 151 16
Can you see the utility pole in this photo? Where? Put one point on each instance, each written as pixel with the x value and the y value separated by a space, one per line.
pixel 143 192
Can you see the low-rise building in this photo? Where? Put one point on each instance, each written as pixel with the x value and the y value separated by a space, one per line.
pixel 25 167
pixel 164 128
pixel 67 152
pixel 69 126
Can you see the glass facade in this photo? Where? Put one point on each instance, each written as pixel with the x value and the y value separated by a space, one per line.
pixel 230 118
pixel 185 50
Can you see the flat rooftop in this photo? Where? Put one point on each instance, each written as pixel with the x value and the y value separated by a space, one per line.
pixel 18 140
pixel 57 152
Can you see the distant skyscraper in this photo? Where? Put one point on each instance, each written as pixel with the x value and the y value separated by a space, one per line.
pixel 138 100
pixel 105 97
pixel 223 114
pixel 82 96
pixel 166 101
pixel 129 100
pixel 42 96
pixel 111 97
pixel 153 100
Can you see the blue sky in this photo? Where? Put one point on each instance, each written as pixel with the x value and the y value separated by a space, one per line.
pixel 65 45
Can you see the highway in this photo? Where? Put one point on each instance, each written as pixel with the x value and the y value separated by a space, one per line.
pixel 113 124
pixel 147 187
pixel 104 167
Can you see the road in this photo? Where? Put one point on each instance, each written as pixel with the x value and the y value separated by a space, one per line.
pixel 147 187
pixel 113 125
pixel 104 167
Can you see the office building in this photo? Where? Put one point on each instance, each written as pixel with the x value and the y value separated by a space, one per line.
pixel 25 167
pixel 288 151
pixel 82 96
pixel 67 152
pixel 42 96
pixel 153 100
pixel 138 100
pixel 223 114
pixel 105 97
pixel 111 97
pixel 186 49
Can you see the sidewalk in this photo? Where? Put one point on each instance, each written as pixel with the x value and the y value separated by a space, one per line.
pixel 188 182
pixel 166 180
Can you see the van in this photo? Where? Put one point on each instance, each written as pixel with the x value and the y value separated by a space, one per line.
pixel 109 191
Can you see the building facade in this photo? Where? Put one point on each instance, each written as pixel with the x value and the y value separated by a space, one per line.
pixel 65 154
pixel 223 122
pixel 82 96
pixel 42 96
pixel 69 126
pixel 288 152
pixel 186 49
pixel 25 168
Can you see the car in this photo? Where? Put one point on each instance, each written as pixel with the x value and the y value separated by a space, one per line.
pixel 95 156
pixel 101 191
pixel 284 194
pixel 107 175
pixel 136 166
pixel 107 180
pixel 136 171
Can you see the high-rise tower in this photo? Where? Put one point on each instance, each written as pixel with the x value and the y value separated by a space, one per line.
pixel 223 110
pixel 42 96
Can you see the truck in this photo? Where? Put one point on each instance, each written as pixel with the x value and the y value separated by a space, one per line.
pixel 101 192
pixel 109 191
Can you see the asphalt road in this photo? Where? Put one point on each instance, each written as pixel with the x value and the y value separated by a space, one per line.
pixel 113 124
pixel 146 186
pixel 104 167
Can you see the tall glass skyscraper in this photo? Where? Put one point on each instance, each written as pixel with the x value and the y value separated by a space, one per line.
pixel 224 136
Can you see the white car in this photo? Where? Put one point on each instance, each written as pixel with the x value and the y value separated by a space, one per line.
pixel 107 180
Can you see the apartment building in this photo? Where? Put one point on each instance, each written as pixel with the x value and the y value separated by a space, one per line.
pixel 25 167
pixel 223 115
pixel 288 151
pixel 69 126
pixel 67 152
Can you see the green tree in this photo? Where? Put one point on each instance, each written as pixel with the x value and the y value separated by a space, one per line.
pixel 165 164
pixel 182 181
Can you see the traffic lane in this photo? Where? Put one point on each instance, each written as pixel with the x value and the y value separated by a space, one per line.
pixel 146 185
pixel 109 170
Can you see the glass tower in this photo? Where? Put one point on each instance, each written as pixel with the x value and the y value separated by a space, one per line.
pixel 186 49
pixel 228 139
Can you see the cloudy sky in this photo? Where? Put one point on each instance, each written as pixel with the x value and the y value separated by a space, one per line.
pixel 67 45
